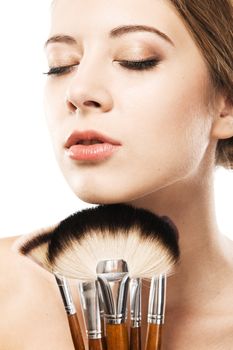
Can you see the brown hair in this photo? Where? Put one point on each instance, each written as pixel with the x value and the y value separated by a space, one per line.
pixel 210 22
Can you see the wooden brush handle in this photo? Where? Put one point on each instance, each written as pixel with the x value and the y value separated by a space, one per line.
pixel 76 332
pixel 117 337
pixel 154 337
pixel 104 342
pixel 96 344
pixel 135 338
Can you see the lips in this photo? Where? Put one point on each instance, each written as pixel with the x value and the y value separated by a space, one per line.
pixel 89 137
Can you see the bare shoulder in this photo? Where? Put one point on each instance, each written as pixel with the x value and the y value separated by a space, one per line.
pixel 229 246
pixel 28 293
pixel 8 264
pixel 11 262
pixel 9 285
pixel 6 244
pixel 16 270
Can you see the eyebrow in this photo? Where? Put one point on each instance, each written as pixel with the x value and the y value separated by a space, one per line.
pixel 114 33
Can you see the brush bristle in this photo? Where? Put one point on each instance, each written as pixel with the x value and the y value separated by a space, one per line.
pixel 146 241
pixel 35 246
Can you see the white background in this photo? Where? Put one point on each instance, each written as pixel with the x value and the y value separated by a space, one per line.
pixel 33 192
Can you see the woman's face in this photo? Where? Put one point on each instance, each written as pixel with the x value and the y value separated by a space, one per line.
pixel 159 114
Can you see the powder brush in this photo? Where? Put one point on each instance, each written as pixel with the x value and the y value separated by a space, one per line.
pixel 89 243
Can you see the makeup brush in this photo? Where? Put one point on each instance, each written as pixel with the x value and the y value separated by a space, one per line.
pixel 156 312
pixel 135 313
pixel 111 244
pixel 36 249
pixel 104 236
pixel 103 326
pixel 156 307
pixel 71 312
pixel 91 311
pixel 113 277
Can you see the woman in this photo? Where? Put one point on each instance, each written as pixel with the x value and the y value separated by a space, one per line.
pixel 168 121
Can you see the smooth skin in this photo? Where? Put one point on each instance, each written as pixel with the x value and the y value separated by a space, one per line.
pixel 168 122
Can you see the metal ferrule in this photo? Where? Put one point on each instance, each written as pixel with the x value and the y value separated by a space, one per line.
pixel 135 302
pixel 65 294
pixel 113 278
pixel 101 306
pixel 157 300
pixel 90 305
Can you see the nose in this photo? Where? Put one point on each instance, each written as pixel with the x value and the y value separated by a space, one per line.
pixel 87 91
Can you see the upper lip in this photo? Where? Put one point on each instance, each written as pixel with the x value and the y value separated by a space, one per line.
pixel 78 136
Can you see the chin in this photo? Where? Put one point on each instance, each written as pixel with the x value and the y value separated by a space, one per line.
pixel 96 197
pixel 107 189
pixel 93 195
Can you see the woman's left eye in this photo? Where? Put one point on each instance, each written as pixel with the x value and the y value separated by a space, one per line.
pixel 140 64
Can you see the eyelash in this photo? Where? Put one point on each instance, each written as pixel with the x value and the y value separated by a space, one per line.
pixel 132 65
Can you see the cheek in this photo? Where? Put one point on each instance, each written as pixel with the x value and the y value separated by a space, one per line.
pixel 170 118
pixel 54 98
pixel 54 107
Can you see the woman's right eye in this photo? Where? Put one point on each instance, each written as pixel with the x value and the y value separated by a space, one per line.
pixel 60 70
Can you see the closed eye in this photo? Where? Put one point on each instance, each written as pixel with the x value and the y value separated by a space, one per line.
pixel 60 70
pixel 140 64
pixel 133 65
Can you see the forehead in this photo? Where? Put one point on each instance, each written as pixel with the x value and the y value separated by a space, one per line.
pixel 94 17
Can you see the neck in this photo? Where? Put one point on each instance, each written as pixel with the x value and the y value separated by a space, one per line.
pixel 205 264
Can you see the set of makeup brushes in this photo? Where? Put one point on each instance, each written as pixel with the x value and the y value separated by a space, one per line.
pixel 108 251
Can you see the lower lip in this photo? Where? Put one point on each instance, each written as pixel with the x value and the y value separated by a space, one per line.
pixel 99 151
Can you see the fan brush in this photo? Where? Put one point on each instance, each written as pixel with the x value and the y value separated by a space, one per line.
pixel 111 245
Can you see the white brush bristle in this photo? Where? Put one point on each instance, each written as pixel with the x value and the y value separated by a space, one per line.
pixel 145 257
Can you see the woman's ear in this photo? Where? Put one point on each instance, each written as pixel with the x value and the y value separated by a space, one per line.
pixel 222 127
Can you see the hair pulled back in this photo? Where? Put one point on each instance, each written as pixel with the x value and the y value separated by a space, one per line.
pixel 210 22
